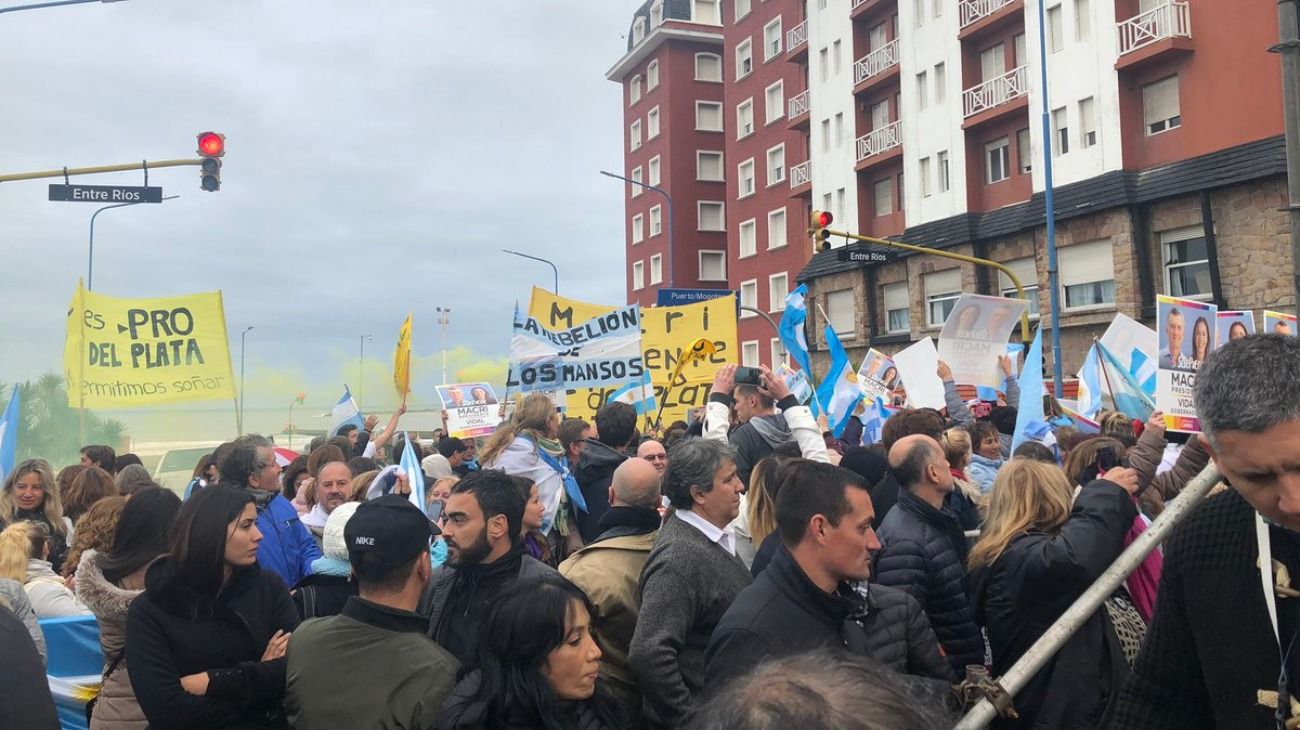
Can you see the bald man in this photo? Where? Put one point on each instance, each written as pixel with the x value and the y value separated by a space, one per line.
pixel 608 570
pixel 653 452
pixel 924 550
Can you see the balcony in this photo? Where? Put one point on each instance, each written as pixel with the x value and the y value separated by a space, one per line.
pixel 878 141
pixel 801 178
pixel 797 110
pixel 796 41
pixel 973 11
pixel 1165 27
pixel 875 63
pixel 995 92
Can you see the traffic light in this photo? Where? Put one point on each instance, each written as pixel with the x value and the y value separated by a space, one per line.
pixel 820 220
pixel 212 147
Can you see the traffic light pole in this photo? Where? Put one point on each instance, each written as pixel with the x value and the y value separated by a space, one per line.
pixel 68 171
pixel 1024 316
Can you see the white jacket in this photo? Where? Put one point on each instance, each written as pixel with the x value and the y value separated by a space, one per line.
pixel 49 595
pixel 520 459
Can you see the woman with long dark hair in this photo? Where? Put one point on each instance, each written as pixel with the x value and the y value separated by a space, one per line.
pixel 107 582
pixel 205 642
pixel 536 665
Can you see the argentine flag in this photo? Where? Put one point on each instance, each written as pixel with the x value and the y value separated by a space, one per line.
pixel 792 335
pixel 873 421
pixel 410 464
pixel 9 434
pixel 1031 424
pixel 345 412
pixel 1143 370
pixel 1090 380
pixel 839 392
pixel 640 396
pixel 1130 397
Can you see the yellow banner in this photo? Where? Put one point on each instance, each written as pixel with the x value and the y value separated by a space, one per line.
pixel 402 359
pixel 667 333
pixel 128 353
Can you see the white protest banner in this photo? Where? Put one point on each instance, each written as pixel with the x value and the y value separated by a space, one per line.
pixel 471 409
pixel 975 335
pixel 1233 326
pixel 877 376
pixel 603 351
pixel 1186 340
pixel 917 365
pixel 1278 323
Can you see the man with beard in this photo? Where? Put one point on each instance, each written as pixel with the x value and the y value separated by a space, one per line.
pixel 483 516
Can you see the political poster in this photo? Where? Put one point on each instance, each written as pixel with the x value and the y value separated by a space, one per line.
pixel 1279 323
pixel 1231 326
pixel 471 409
pixel 975 335
pixel 796 381
pixel 1186 340
pixel 666 332
pixel 877 376
pixel 602 351
pixel 134 353
pixel 917 366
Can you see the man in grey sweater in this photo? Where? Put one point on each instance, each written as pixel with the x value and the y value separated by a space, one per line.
pixel 689 581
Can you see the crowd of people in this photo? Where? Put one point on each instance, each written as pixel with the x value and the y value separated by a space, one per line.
pixel 748 569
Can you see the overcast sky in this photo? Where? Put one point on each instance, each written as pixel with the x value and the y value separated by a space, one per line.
pixel 379 156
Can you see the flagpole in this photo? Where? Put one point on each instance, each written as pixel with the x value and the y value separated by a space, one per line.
pixel 1105 374
pixel 812 377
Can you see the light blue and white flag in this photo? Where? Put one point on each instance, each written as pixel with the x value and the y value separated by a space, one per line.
pixel 791 331
pixel 345 412
pixel 410 464
pixel 1129 397
pixel 873 421
pixel 640 396
pixel 1031 424
pixel 1143 370
pixel 9 434
pixel 1090 378
pixel 839 393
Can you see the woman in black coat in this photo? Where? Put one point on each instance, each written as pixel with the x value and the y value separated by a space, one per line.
pixel 205 642
pixel 1036 555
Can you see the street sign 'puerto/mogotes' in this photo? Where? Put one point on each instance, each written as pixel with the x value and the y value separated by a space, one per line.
pixel 105 194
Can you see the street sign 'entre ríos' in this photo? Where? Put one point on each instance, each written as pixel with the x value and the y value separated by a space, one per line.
pixel 105 194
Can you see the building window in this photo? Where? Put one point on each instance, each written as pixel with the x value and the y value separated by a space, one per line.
pixel 779 355
pixel 656 269
pixel 778 286
pixel 634 90
pixel 824 57
pixel 1061 127
pixel 742 9
pixel 652 76
pixel 636 176
pixel 775 99
pixel 1026 270
pixel 657 14
pixel 638 30
pixel 942 290
pixel 744 58
pixel 708 166
pixel 826 135
pixel 884 196
pixel 918 10
pixel 711 215
pixel 938 8
pixel 635 134
pixel 638 228
pixel 749 351
pixel 745 181
pixel 1055 30
pixel 776 230
pixel 835 56
pixel 1187 263
pixel 839 204
pixel 776 165
pixel 897 308
pixel 840 311
pixel 944 180
pixel 708 116
pixel 748 297
pixel 839 129
pixel 652 123
pixel 925 177
pixel 656 221
pixel 1082 21
pixel 1024 152
pixel 940 76
pixel 713 265
pixel 638 275
pixel 744 119
pixel 1087 274
pixel 748 239
pixel 1160 108
pixel 997 160
pixel 922 90
pixel 708 67
pixel 993 62
pixel 772 39
pixel 1018 43
pixel 1087 122
pixel 652 170
pixel 706 12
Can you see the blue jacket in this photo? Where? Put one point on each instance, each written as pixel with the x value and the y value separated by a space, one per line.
pixel 983 470
pixel 287 548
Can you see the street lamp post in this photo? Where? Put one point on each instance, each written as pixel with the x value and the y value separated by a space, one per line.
pixel 242 340
pixel 444 319
pixel 361 368
pixel 539 258
pixel 90 256
pixel 671 228
pixel 53 4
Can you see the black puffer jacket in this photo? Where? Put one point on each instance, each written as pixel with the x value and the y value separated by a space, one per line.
pixel 923 553
pixel 465 710
pixel 164 643
pixel 594 472
pixel 899 634
pixel 1027 589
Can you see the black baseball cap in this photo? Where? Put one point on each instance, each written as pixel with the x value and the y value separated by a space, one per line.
pixel 390 528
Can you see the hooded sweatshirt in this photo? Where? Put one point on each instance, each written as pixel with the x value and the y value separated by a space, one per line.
pixel 594 473
pixel 756 439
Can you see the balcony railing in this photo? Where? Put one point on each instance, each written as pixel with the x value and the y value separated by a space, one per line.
pixel 798 105
pixel 878 61
pixel 856 3
pixel 796 37
pixel 1171 19
pixel 973 10
pixel 801 174
pixel 879 140
pixel 996 91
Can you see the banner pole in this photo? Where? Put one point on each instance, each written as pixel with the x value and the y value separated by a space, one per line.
pixel 81 366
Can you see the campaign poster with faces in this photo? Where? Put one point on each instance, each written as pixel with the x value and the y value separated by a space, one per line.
pixel 975 335
pixel 1186 331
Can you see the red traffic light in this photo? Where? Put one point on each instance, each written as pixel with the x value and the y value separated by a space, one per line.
pixel 822 218
pixel 212 144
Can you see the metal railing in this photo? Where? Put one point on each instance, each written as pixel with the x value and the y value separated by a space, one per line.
pixel 878 61
pixel 879 140
pixel 796 37
pixel 799 104
pixel 996 91
pixel 856 3
pixel 1171 19
pixel 973 10
pixel 801 174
